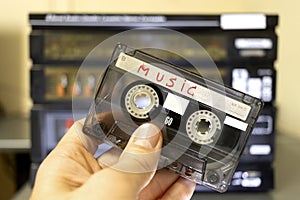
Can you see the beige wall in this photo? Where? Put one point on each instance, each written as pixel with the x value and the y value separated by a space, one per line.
pixel 14 30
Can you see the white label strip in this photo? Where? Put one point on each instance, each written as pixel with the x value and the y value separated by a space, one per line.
pixel 251 182
pixel 176 104
pixel 253 43
pixel 235 123
pixel 243 21
pixel 183 86
pixel 260 149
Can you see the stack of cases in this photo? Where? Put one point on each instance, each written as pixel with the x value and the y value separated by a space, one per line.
pixel 244 53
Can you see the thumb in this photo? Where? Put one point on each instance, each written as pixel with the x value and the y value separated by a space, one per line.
pixel 138 162
pixel 142 152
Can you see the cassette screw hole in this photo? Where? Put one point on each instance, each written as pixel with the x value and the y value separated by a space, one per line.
pixel 174 165
pixel 213 178
pixel 202 126
pixel 188 172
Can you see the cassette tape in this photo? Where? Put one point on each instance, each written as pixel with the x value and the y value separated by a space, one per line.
pixel 205 124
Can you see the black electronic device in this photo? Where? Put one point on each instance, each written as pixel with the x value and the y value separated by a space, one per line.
pixel 55 38
pixel 59 43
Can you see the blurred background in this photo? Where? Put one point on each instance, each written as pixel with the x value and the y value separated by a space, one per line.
pixel 15 62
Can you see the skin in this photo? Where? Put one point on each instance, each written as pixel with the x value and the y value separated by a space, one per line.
pixel 71 172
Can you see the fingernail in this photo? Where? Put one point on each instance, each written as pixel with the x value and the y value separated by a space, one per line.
pixel 147 135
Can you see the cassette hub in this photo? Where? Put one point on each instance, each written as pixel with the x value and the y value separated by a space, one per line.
pixel 202 126
pixel 140 100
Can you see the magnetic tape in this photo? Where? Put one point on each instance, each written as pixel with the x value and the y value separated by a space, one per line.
pixel 205 124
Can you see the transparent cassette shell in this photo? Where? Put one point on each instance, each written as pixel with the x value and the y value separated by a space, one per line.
pixel 225 116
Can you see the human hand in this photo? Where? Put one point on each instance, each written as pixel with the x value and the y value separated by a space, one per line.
pixel 71 172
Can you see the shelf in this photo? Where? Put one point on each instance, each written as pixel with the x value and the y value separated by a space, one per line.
pixel 15 134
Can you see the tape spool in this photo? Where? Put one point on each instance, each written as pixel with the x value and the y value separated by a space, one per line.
pixel 140 100
pixel 202 125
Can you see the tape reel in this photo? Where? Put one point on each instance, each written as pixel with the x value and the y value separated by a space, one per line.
pixel 202 126
pixel 140 100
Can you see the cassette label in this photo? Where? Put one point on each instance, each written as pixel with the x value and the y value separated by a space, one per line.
pixel 176 103
pixel 205 125
pixel 235 123
pixel 182 86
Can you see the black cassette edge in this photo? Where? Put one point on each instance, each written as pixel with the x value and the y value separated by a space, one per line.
pixel 205 124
